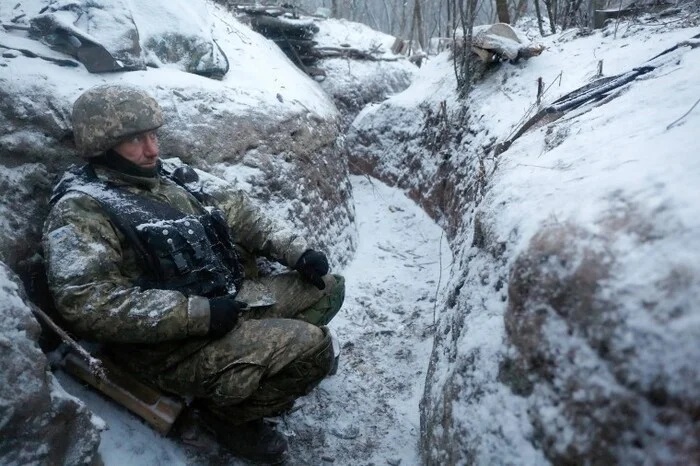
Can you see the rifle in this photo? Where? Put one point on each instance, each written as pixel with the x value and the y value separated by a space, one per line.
pixel 156 408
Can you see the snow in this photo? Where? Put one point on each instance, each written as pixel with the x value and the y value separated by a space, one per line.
pixel 342 33
pixel 355 82
pixel 259 71
pixel 631 136
pixel 385 329
pixel 597 163
pixel 630 139
pixel 125 440
pixel 598 167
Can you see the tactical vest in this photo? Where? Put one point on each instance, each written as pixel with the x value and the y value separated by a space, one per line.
pixel 193 254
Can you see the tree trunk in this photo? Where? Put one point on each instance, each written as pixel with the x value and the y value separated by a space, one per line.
pixel 551 13
pixel 502 9
pixel 420 30
pixel 464 70
pixel 334 9
pixel 451 21
pixel 371 20
pixel 389 19
pixel 402 26
pixel 520 10
pixel 448 28
pixel 539 17
pixel 411 33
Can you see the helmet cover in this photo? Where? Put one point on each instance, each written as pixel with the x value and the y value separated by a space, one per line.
pixel 105 115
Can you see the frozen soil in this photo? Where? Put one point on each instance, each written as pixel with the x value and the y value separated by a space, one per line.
pixel 368 412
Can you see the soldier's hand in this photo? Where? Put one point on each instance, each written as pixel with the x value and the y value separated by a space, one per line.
pixel 312 266
pixel 223 315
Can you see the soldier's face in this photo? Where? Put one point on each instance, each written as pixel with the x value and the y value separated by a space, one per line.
pixel 141 149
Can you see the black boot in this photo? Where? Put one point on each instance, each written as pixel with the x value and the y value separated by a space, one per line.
pixel 256 441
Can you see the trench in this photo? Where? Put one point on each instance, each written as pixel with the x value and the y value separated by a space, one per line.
pixel 368 413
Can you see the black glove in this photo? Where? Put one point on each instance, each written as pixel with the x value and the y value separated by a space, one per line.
pixel 312 265
pixel 223 315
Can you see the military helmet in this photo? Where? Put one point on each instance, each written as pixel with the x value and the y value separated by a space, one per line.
pixel 104 116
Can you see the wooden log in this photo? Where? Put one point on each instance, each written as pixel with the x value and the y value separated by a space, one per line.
pixel 297 44
pixel 333 52
pixel 277 28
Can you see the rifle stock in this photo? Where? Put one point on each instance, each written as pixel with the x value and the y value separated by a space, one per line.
pixel 153 406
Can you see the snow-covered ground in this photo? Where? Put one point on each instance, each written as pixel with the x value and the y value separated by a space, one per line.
pixel 623 170
pixel 637 150
pixel 368 412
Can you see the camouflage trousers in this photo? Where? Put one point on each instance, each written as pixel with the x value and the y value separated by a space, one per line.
pixel 274 355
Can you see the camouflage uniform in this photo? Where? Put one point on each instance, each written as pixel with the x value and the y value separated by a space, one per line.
pixel 276 352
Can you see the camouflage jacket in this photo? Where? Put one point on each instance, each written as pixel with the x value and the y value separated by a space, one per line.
pixel 93 270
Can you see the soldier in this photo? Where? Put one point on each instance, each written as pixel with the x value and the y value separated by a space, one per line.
pixel 157 262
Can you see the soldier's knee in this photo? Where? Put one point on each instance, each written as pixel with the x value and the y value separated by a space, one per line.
pixel 336 297
pixel 337 293
pixel 323 310
pixel 324 356
pixel 314 365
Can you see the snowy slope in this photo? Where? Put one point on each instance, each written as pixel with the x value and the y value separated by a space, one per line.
pixel 622 172
pixel 259 71
pixel 596 163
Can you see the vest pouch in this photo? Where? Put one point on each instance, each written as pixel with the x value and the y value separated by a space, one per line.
pixel 184 257
pixel 194 255
pixel 222 241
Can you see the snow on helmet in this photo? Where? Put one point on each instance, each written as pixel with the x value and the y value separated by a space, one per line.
pixel 103 116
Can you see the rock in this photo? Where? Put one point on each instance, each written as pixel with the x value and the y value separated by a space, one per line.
pixel 39 422
pixel 181 38
pixel 113 36
pixel 101 35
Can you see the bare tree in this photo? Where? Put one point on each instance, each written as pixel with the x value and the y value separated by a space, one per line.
pixel 464 61
pixel 502 9
pixel 387 18
pixel 404 17
pixel 520 9
pixel 539 17
pixel 420 27
pixel 551 6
